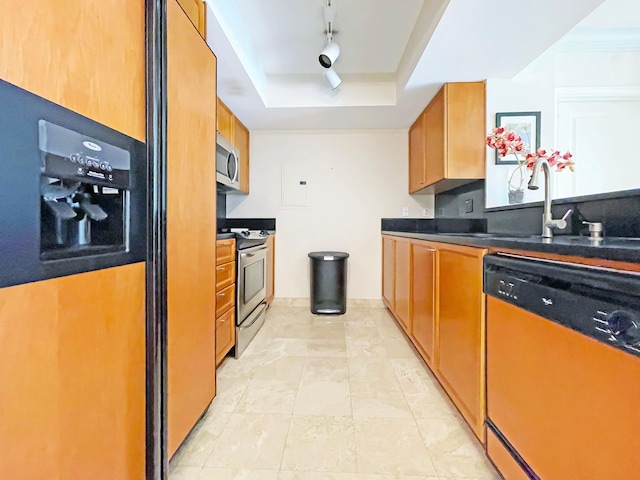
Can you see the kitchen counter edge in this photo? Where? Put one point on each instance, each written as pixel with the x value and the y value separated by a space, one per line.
pixel 558 245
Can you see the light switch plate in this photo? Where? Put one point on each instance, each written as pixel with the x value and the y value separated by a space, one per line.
pixel 405 211
pixel 468 205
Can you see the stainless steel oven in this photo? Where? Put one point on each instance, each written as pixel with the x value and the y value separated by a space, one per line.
pixel 252 279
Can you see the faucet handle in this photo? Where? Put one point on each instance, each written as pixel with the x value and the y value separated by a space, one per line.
pixel 562 223
pixel 566 215
pixel 595 229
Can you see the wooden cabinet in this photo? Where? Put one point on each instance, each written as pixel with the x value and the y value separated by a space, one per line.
pixel 241 141
pixel 460 358
pixel 417 157
pixel 434 290
pixel 225 121
pixel 196 12
pixel 191 229
pixel 231 128
pixel 423 298
pixel 271 255
pixel 389 272
pixel 403 283
pixel 225 297
pixel 446 142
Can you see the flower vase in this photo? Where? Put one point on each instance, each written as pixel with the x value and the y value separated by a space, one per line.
pixel 516 196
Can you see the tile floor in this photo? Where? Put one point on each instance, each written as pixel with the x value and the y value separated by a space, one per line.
pixel 329 398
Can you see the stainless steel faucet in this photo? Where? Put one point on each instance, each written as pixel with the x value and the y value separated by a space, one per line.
pixel 548 222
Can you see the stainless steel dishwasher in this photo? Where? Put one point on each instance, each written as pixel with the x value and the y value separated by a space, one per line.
pixel 563 370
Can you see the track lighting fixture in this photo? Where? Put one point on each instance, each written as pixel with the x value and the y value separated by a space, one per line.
pixel 332 78
pixel 331 51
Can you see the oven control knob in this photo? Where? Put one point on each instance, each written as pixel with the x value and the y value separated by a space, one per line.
pixel 625 327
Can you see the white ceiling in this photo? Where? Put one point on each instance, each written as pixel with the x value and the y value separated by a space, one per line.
pixel 394 55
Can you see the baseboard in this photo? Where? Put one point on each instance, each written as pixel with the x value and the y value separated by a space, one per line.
pixel 351 302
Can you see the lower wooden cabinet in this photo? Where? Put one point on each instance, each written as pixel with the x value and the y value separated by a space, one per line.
pixel 423 298
pixel 225 297
pixel 460 341
pixel 434 290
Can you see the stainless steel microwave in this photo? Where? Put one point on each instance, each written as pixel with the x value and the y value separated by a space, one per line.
pixel 227 165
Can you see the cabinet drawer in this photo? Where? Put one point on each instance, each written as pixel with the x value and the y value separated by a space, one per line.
pixel 225 334
pixel 225 299
pixel 225 275
pixel 225 251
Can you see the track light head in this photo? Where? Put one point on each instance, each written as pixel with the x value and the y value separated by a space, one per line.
pixel 332 78
pixel 329 55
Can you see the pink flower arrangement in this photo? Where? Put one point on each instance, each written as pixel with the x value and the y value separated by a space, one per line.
pixel 508 142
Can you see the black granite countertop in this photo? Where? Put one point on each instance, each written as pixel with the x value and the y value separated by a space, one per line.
pixel 612 248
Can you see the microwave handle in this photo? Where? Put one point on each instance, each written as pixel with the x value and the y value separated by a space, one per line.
pixel 232 155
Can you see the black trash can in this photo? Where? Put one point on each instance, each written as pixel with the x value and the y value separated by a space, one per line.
pixel 328 282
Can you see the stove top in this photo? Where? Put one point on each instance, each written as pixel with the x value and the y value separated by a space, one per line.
pixel 246 238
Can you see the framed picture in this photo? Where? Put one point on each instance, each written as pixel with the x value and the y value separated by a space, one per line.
pixel 525 124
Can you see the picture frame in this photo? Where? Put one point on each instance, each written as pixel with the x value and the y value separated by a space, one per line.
pixel 525 124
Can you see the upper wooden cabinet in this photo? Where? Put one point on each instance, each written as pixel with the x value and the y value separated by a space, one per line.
pixel 446 142
pixel 225 121
pixel 236 133
pixel 196 12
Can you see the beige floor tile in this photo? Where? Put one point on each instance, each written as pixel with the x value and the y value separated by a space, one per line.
pixel 371 370
pixel 335 369
pixel 287 347
pixel 288 475
pixel 294 330
pixel 251 441
pixel 414 375
pixel 454 450
pixel 391 446
pixel 184 473
pixel 371 476
pixel 379 400
pixel 320 444
pixel 229 391
pixel 319 397
pixel 327 348
pixel 371 346
pixel 399 348
pixel 239 368
pixel 326 331
pixel 213 473
pixel 280 368
pixel 269 396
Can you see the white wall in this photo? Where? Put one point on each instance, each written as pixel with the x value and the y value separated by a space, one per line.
pixel 355 178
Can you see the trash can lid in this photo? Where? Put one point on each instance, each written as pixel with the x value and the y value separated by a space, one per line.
pixel 322 255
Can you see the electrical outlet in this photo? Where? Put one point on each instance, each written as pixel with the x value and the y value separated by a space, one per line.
pixel 405 211
pixel 468 205
pixel 425 212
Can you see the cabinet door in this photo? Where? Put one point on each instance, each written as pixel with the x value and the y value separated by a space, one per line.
pixel 460 344
pixel 241 141
pixel 403 283
pixel 225 334
pixel 436 148
pixel 388 272
pixel 466 118
pixel 423 298
pixel 191 230
pixel 271 255
pixel 225 122
pixel 195 11
pixel 417 138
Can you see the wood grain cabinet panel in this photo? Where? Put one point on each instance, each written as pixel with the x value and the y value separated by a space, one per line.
pixel 226 122
pixel 417 155
pixel 447 139
pixel 241 142
pixel 191 229
pixel 225 275
pixel 225 334
pixel 403 283
pixel 460 358
pixel 389 272
pixel 271 255
pixel 225 299
pixel 423 298
pixel 225 251
pixel 196 12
